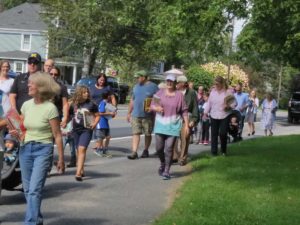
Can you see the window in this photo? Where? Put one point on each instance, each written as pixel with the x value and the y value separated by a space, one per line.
pixel 18 67
pixel 26 40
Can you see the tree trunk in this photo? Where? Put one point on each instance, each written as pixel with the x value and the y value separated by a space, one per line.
pixel 279 83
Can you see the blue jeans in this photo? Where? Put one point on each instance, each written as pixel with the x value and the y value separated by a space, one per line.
pixel 35 161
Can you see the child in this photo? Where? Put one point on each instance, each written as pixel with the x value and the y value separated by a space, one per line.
pixel 106 111
pixel 85 118
pixel 69 139
pixel 205 123
pixel 11 149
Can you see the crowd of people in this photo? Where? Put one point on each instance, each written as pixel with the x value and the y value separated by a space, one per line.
pixel 176 114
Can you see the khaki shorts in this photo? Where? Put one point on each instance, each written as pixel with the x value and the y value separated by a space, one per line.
pixel 142 125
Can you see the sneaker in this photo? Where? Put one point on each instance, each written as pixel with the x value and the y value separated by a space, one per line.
pixel 145 154
pixel 205 143
pixel 98 152
pixel 106 154
pixel 71 164
pixel 182 163
pixel 166 176
pixel 200 143
pixel 133 156
pixel 161 170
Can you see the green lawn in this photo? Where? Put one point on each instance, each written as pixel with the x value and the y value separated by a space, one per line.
pixel 258 183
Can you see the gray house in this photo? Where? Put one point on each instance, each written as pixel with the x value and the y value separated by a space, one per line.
pixel 23 31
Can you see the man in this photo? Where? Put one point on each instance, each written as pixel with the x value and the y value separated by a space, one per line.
pixel 242 104
pixel 48 65
pixel 141 120
pixel 190 98
pixel 19 90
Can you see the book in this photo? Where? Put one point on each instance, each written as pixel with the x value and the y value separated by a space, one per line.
pixel 147 103
pixel 15 122
pixel 88 118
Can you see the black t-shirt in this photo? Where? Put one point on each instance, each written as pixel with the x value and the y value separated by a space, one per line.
pixel 58 98
pixel 20 87
pixel 96 94
pixel 76 112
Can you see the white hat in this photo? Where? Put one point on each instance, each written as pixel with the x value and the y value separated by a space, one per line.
pixel 181 79
pixel 171 77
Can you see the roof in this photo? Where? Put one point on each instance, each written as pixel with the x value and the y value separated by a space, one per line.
pixel 25 16
pixel 18 55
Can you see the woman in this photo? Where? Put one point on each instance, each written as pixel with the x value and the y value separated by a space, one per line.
pixel 170 110
pixel 81 107
pixel 101 87
pixel 251 112
pixel 218 115
pixel 269 107
pixel 41 121
pixel 5 85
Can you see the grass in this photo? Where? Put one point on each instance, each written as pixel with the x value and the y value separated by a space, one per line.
pixel 257 184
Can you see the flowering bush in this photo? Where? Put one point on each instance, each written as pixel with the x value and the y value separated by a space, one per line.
pixel 236 74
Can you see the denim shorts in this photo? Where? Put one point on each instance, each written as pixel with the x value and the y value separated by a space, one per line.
pixel 82 137
pixel 102 133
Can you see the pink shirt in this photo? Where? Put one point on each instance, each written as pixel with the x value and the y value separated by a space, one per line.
pixel 215 106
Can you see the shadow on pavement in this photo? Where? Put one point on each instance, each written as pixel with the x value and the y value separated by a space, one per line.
pixel 78 221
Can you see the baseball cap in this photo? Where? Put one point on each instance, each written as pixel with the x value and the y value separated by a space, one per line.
pixel 141 73
pixel 171 77
pixel 181 79
pixel 34 57
pixel 9 137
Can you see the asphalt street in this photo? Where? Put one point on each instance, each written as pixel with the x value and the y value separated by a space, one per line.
pixel 115 191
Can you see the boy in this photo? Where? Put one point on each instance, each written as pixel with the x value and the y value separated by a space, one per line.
pixel 106 111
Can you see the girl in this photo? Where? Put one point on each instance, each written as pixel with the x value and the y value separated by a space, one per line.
pixel 251 112
pixel 205 123
pixel 85 118
pixel 269 107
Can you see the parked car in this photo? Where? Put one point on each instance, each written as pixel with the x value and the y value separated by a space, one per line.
pixel 294 107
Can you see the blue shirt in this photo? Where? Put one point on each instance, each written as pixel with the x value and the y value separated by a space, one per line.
pixel 103 122
pixel 139 94
pixel 242 101
pixel 96 94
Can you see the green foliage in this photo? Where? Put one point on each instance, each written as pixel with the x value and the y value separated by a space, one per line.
pixel 248 187
pixel 200 77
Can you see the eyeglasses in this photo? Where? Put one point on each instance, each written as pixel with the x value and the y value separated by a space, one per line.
pixel 54 74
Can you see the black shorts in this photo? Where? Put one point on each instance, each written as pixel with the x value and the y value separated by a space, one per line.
pixel 102 133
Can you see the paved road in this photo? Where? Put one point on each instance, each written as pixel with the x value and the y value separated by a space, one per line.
pixel 116 191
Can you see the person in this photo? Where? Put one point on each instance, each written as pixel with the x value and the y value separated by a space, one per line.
pixel 100 88
pixel 102 129
pixel 48 65
pixel 83 125
pixel 19 90
pixel 5 86
pixel 269 107
pixel 171 116
pixel 198 127
pixel 11 149
pixel 205 123
pixel 251 112
pixel 190 99
pixel 61 100
pixel 218 115
pixel 141 120
pixel 69 139
pixel 242 104
pixel 41 121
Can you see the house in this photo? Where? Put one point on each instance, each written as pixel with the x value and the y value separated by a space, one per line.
pixel 22 31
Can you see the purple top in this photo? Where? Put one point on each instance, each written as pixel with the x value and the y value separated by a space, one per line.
pixel 170 122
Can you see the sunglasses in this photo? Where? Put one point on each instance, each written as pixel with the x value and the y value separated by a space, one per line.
pixel 34 62
pixel 54 74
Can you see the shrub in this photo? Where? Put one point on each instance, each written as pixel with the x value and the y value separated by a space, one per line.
pixel 200 77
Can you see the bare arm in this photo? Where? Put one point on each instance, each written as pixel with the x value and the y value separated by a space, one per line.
pixel 65 119
pixel 96 120
pixel 113 100
pixel 13 101
pixel 130 108
pixel 55 127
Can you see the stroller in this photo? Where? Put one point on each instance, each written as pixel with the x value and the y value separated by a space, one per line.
pixel 234 126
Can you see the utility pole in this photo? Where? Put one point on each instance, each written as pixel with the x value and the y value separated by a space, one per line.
pixel 231 21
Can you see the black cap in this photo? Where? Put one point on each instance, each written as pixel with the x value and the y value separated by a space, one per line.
pixel 34 56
